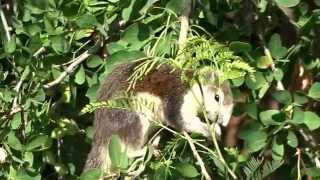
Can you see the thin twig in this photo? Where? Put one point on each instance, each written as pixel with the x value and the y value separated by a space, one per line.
pixel 15 106
pixel 273 68
pixel 216 145
pixel 5 23
pixel 298 153
pixel 39 51
pixel 197 156
pixel 184 27
pixel 78 60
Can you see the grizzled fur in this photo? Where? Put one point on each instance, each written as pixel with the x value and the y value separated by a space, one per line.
pixel 162 82
pixel 176 106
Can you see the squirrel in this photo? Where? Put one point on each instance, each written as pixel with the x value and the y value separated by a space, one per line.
pixel 176 102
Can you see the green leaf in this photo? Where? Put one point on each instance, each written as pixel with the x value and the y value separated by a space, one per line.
pixel 283 96
pixel 89 132
pixel 10 46
pixel 94 61
pixel 258 82
pixel 28 157
pixel 80 76
pixel 132 11
pixel 40 96
pixel 86 21
pixel 278 74
pixel 277 150
pixel 187 170
pixel 287 3
pixel 33 29
pixel 276 48
pixel 16 121
pixel 83 33
pixel 268 117
pixel 263 5
pixel 92 174
pixel 21 174
pixel 252 110
pixel 41 142
pixel 312 120
pixel 114 47
pixel 25 73
pixel 176 6
pixel 135 35
pixel 59 44
pixel 14 142
pixel 313 171
pixel 254 136
pixel 120 57
pixel 118 157
pixel 264 62
pixel 92 93
pixel 238 46
pixel 314 91
pixel 237 82
pixel 300 98
pixel 49 26
pixel 263 90
pixel 292 139
pixel 298 116
pixel 70 9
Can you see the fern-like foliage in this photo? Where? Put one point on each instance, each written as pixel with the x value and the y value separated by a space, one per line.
pixel 251 169
pixel 270 167
pixel 126 101
pixel 200 52
pixel 257 170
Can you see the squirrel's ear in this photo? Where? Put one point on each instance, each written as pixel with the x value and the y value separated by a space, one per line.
pixel 208 75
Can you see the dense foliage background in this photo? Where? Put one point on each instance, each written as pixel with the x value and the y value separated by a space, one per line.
pixel 275 129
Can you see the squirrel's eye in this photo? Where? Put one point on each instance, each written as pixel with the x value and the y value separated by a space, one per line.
pixel 216 97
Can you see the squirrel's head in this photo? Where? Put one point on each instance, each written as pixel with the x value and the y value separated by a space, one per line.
pixel 217 98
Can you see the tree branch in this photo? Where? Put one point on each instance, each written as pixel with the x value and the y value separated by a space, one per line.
pixel 184 27
pixel 197 156
pixel 78 60
pixel 4 23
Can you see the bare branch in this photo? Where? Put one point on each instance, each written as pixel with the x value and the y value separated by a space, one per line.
pixel 197 156
pixel 184 27
pixel 38 52
pixel 78 60
pixel 5 23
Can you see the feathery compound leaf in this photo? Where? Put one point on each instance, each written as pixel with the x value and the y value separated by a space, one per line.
pixel 270 167
pixel 251 170
pixel 200 52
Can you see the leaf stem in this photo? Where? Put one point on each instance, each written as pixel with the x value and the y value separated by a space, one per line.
pixel 5 23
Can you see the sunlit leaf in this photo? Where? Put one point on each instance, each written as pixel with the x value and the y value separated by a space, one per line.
pixel 117 154
pixel 277 150
pixel 187 170
pixel 80 76
pixel 312 120
pixel 287 3
pixel 10 46
pixel 314 91
pixel 277 50
pixel 292 139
